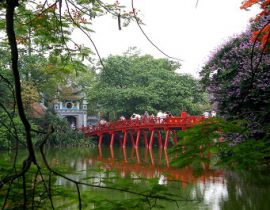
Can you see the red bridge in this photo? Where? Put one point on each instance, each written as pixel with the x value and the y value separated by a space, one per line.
pixel 145 126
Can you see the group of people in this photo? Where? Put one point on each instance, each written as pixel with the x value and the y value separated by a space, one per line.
pixel 163 115
pixel 160 114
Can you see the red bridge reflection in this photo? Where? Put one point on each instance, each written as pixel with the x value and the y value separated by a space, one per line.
pixel 143 128
pixel 151 164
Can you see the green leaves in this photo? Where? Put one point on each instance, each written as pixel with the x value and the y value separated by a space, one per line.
pixel 135 83
pixel 197 142
pixel 213 143
pixel 250 155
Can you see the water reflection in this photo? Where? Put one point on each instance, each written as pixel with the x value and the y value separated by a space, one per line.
pixel 145 163
pixel 218 189
pixel 151 164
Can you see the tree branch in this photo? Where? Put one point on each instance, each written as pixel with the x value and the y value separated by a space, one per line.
pixel 11 5
pixel 151 42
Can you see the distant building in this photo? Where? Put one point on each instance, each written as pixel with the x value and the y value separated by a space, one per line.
pixel 71 105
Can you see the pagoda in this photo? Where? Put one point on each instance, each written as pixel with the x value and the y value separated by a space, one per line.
pixel 71 104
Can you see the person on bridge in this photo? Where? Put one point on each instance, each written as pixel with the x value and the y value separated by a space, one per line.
pixel 161 116
pixel 135 116
pixel 122 118
pixel 146 115
pixel 102 122
pixel 213 114
pixel 206 114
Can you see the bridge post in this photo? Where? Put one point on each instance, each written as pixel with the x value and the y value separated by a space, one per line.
pixel 145 139
pixel 112 139
pixel 132 138
pixel 151 156
pixel 100 152
pixel 99 140
pixel 151 139
pixel 167 139
pixel 137 138
pixel 125 139
pixel 125 154
pixel 167 158
pixel 137 155
pixel 159 140
pixel 112 153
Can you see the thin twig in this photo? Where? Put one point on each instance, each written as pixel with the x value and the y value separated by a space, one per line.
pixel 146 36
pixel 7 195
pixel 50 187
pixel 7 81
pixel 197 2
pixel 79 195
pixel 60 19
pixel 88 36
pixel 11 120
pixel 48 191
pixel 11 5
pixel 253 47
pixel 33 190
pixel 15 136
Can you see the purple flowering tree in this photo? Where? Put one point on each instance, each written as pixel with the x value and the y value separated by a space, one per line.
pixel 237 76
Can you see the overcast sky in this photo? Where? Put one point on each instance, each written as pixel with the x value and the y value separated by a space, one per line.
pixel 177 27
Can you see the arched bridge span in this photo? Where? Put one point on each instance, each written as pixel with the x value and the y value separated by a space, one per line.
pixel 142 127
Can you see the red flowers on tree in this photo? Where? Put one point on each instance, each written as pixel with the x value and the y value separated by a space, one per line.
pixel 261 35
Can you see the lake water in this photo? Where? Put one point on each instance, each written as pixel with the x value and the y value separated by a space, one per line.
pixel 149 171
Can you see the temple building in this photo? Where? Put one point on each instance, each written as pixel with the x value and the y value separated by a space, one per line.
pixel 71 104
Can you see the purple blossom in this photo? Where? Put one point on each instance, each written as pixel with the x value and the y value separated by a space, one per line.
pixel 239 81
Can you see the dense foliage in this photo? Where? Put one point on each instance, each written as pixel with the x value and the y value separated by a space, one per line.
pixel 40 79
pixel 135 83
pixel 209 144
pixel 237 76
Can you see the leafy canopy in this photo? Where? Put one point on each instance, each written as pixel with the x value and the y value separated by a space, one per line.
pixel 237 76
pixel 138 83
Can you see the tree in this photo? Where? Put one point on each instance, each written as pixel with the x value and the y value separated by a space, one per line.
pixel 237 76
pixel 29 95
pixel 237 79
pixel 136 83
pixel 49 38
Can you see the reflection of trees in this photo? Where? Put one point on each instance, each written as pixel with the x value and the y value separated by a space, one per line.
pixel 135 163
pixel 246 191
pixel 150 164
pixel 217 190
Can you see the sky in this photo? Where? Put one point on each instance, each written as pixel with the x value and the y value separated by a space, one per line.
pixel 177 27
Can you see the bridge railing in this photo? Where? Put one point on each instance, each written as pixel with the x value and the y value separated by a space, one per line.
pixel 144 122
